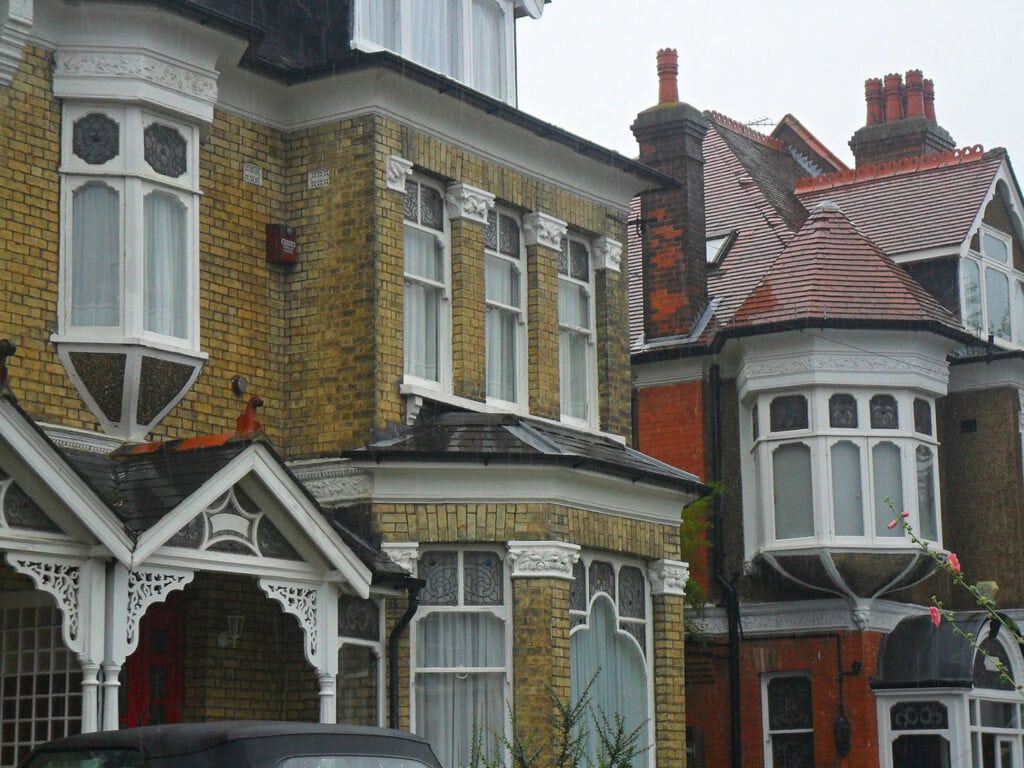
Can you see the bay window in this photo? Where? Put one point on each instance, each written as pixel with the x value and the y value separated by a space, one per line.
pixel 504 285
pixel 426 283
pixel 466 40
pixel 992 291
pixel 576 350
pixel 840 465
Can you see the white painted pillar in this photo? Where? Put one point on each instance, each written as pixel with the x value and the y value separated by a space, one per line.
pixel 90 695
pixel 111 720
pixel 328 697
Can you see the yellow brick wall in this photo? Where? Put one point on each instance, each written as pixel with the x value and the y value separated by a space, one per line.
pixel 469 358
pixel 542 311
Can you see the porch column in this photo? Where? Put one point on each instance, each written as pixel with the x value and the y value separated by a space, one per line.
pixel 668 578
pixel 111 693
pixel 541 575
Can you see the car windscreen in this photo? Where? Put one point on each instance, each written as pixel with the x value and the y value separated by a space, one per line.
pixel 350 761
pixel 88 758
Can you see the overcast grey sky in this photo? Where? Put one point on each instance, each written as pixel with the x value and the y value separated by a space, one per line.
pixel 589 65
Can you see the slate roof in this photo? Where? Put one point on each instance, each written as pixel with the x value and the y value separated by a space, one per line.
pixel 929 205
pixel 499 438
pixel 917 654
pixel 830 272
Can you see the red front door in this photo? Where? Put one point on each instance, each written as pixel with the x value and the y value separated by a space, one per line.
pixel 154 671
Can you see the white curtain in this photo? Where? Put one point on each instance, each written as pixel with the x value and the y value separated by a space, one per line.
pixel 926 493
pixel 847 501
pixel 422 304
pixel 488 47
pixel 437 34
pixel 574 311
pixel 616 665
pixel 888 475
pixel 95 256
pixel 450 704
pixel 379 22
pixel 501 281
pixel 166 265
pixel 794 502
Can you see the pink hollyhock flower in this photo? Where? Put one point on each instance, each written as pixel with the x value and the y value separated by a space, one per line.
pixel 936 616
pixel 893 523
pixel 954 561
pixel 904 514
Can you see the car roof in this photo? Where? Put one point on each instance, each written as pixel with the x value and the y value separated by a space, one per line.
pixel 165 742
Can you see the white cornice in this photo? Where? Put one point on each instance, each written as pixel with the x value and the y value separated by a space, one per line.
pixel 542 559
pixel 1008 372
pixel 470 203
pixel 332 480
pixel 797 617
pixel 15 26
pixel 542 229
pixel 608 254
pixel 669 577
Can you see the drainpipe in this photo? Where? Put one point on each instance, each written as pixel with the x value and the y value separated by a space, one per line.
pixel 732 604
pixel 393 639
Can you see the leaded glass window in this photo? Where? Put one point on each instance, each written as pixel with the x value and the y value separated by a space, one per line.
pixel 95 138
pixel 358 618
pixel 576 348
pixel 884 412
pixel 165 150
pixel 440 571
pixel 842 411
pixel 426 281
pixel 602 578
pixel 788 412
pixel 918 716
pixel 483 576
pixel 790 721
pixel 504 289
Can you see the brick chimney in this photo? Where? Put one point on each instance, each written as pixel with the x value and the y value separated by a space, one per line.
pixel 670 135
pixel 900 120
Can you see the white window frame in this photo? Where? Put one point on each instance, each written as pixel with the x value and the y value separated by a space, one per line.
pixel 131 176
pixel 591 419
pixel 502 612
pixel 443 383
pixel 765 719
pixel 378 649
pixel 519 404
pixel 581 621
pixel 362 40
pixel 1015 286
pixel 819 437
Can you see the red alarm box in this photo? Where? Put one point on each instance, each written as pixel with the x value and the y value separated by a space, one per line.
pixel 282 245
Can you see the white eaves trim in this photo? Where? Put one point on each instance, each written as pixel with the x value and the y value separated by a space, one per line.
pixel 83 503
pixel 458 483
pixel 257 460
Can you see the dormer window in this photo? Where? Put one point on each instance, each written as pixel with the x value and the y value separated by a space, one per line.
pixel 990 287
pixel 466 40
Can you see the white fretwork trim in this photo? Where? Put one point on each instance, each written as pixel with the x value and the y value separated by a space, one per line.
pixel 300 599
pixel 61 579
pixel 405 553
pixel 668 577
pixel 466 202
pixel 542 559
pixel 541 229
pixel 132 75
pixel 608 254
pixel 396 171
pixel 14 32
pixel 145 587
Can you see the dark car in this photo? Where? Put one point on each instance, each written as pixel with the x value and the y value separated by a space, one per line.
pixel 237 745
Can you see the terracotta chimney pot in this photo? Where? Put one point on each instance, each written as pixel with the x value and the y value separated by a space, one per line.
pixel 893 97
pixel 873 97
pixel 668 69
pixel 915 93
pixel 929 99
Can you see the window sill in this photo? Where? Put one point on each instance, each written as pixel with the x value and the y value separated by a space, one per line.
pixel 117 340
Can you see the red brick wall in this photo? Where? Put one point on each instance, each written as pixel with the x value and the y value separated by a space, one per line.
pixel 670 425
pixel 707 680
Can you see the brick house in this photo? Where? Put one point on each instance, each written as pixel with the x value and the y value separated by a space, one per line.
pixel 819 339
pixel 314 394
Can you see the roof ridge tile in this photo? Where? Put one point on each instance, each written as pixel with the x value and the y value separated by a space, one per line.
pixel 899 167
pixel 745 130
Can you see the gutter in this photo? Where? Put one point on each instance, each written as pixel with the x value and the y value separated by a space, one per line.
pixel 413 590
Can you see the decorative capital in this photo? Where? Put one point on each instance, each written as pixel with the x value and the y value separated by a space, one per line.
pixel 668 577
pixel 542 559
pixel 466 202
pixel 608 254
pixel 396 171
pixel 404 553
pixel 544 230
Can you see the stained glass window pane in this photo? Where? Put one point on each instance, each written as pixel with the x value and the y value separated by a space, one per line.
pixel 440 571
pixel 793 750
pixel 922 416
pixel 358 618
pixel 563 257
pixel 842 411
pixel 491 232
pixel 789 703
pixel 431 208
pixel 482 574
pixel 578 587
pixel 631 587
pixel 410 205
pixel 884 413
pixel 509 236
pixel 926 493
pixel 602 578
pixel 918 715
pixel 788 412
pixel 579 260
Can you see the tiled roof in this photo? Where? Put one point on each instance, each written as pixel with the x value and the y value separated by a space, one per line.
pixel 507 438
pixel 907 207
pixel 801 140
pixel 831 272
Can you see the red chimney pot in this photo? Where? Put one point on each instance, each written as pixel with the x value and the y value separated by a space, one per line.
pixel 929 99
pixel 893 97
pixel 668 69
pixel 915 93
pixel 873 97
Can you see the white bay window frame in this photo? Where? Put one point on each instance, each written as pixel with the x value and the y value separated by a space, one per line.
pixel 506 320
pixel 450 42
pixel 132 179
pixel 982 273
pixel 572 330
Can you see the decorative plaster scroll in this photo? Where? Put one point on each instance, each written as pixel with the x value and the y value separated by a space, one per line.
pixel 542 559
pixel 396 171
pixel 60 579
pixel 300 599
pixel 541 229
pixel 14 32
pixel 668 577
pixel 608 254
pixel 466 202
pixel 145 587
pixel 332 481
pixel 405 554
pixel 71 64
pixel 826 362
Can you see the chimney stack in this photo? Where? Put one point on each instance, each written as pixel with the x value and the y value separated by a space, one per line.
pixel 672 228
pixel 900 122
